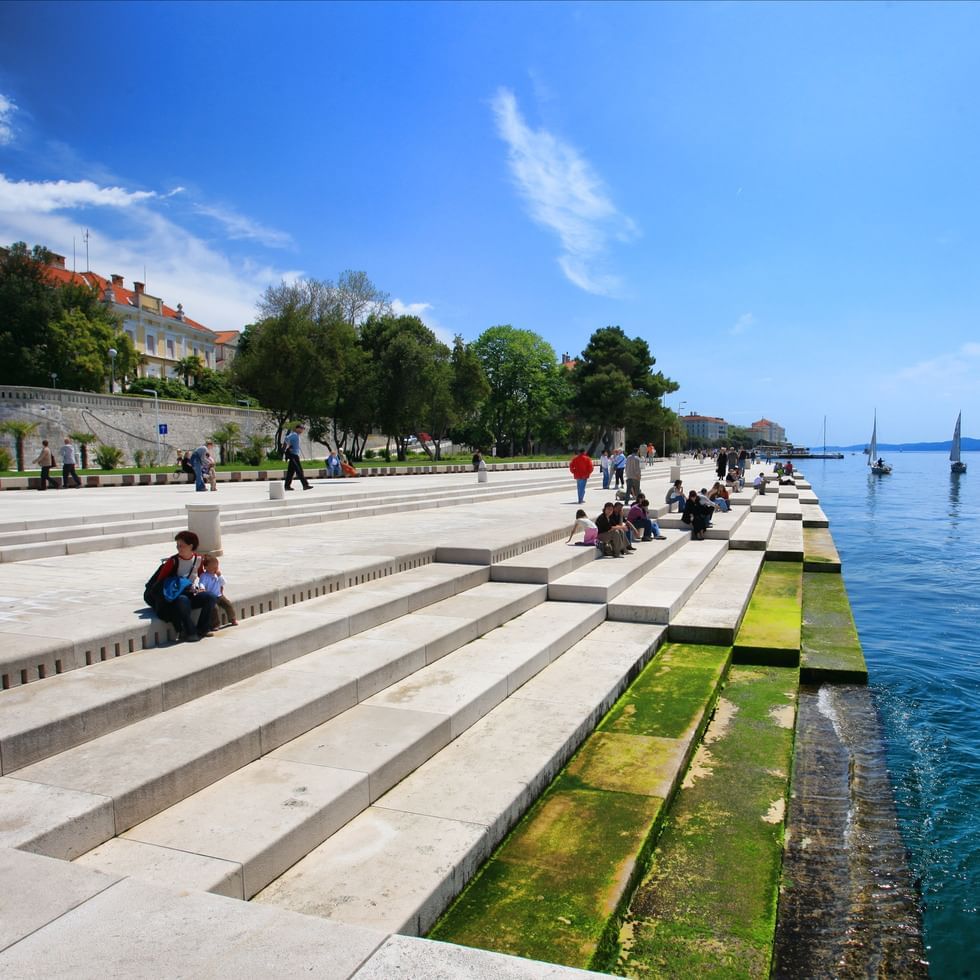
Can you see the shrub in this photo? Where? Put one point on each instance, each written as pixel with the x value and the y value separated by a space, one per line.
pixel 254 450
pixel 107 457
pixel 6 460
pixel 369 454
pixel 142 458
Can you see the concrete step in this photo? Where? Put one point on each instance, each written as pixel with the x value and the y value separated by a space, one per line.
pixel 789 509
pixel 263 818
pixel 819 551
pixel 600 581
pixel 544 565
pixel 789 493
pixel 660 594
pixel 786 541
pixel 714 613
pixel 723 525
pixel 807 497
pixel 766 503
pixel 754 532
pixel 191 746
pixel 400 862
pixel 813 516
pixel 39 720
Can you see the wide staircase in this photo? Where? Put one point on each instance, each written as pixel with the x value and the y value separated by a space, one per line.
pixel 355 756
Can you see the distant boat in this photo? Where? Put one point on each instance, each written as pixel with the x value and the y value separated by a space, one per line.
pixel 956 466
pixel 878 466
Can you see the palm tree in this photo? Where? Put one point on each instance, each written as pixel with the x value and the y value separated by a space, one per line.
pixel 189 367
pixel 83 439
pixel 228 438
pixel 20 431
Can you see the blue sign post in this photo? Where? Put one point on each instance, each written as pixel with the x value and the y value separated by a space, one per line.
pixel 163 428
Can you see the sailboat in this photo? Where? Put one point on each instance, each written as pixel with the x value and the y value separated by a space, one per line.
pixel 878 466
pixel 956 466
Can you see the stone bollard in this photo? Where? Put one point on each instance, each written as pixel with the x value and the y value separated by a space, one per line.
pixel 277 491
pixel 481 473
pixel 205 521
pixel 675 473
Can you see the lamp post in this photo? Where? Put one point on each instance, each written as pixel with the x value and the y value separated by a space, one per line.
pixel 156 406
pixel 112 370
pixel 680 411
pixel 247 402
pixel 54 379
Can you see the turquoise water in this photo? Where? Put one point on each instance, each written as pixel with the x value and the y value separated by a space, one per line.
pixel 910 546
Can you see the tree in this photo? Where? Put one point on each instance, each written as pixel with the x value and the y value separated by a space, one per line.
pixel 616 388
pixel 20 431
pixel 228 437
pixel 295 355
pixel 521 370
pixel 189 367
pixel 79 346
pixel 358 298
pixel 83 439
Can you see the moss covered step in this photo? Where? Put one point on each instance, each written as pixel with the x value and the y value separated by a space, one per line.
pixel 707 907
pixel 830 650
pixel 813 516
pixel 770 631
pixel 819 551
pixel 553 889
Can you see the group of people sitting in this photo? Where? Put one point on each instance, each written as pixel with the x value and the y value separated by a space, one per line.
pixel 615 529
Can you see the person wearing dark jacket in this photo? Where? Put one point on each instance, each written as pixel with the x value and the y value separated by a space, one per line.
pixel 177 611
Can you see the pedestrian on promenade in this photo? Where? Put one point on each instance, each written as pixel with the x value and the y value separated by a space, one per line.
pixel 605 466
pixel 45 460
pixel 333 465
pixel 721 463
pixel 477 459
pixel 651 454
pixel 633 469
pixel 581 467
pixel 199 461
pixel 291 451
pixel 743 458
pixel 68 465
pixel 619 466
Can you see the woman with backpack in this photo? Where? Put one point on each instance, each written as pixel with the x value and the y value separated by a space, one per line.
pixel 172 592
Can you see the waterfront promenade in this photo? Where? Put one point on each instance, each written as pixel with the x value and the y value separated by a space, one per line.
pixel 419 656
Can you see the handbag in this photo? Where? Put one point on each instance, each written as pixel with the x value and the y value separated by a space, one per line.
pixel 175 586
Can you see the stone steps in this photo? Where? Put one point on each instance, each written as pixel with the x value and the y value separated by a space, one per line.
pixel 714 613
pixel 75 707
pixel 601 581
pixel 191 746
pixel 400 862
pixel 786 541
pixel 660 594
pixel 770 631
pixel 766 503
pixel 819 551
pixel 789 509
pixel 241 832
pixel 544 565
pixel 813 516
pixel 754 532
pixel 723 525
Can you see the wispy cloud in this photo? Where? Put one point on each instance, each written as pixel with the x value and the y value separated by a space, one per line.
pixel 7 110
pixel 565 195
pixel 133 230
pixel 945 370
pixel 742 324
pixel 238 227
pixel 421 310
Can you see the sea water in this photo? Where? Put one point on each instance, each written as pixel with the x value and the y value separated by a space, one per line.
pixel 910 548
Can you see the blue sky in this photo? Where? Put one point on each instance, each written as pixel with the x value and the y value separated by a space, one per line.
pixel 782 199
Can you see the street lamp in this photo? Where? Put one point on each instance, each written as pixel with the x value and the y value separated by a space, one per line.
pixel 247 402
pixel 54 379
pixel 156 406
pixel 112 370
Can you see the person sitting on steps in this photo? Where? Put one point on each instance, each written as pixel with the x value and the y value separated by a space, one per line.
pixel 612 536
pixel 639 517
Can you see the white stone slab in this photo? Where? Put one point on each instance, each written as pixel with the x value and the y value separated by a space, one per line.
pixel 789 510
pixel 786 542
pixel 714 613
pixel 545 564
pixel 135 929
pixel 813 516
pixel 659 595
pixel 753 534
pixel 766 503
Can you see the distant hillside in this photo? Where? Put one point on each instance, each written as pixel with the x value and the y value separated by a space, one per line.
pixel 966 445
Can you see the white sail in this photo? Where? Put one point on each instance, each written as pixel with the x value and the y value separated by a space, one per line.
pixel 954 450
pixel 873 448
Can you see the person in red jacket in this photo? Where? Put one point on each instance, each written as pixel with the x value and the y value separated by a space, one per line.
pixel 581 467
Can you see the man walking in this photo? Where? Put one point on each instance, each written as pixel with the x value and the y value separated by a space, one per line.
pixel 68 465
pixel 199 460
pixel 634 464
pixel 581 467
pixel 45 459
pixel 294 466
pixel 619 466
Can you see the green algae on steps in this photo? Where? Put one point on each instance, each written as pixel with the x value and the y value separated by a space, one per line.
pixel 553 888
pixel 707 907
pixel 770 630
pixel 830 649
pixel 819 551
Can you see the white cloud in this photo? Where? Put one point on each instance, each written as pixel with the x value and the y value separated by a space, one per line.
pixel 955 369
pixel 742 324
pixel 129 234
pixel 565 195
pixel 238 227
pixel 7 110
pixel 421 310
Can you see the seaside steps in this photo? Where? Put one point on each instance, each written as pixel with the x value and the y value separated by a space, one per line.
pixel 788 509
pixel 766 503
pixel 770 630
pixel 813 516
pixel 830 650
pixel 38 720
pixel 242 831
pixel 398 864
pixel 819 551
pixel 190 746
pixel 600 581
pixel 754 532
pixel 544 565
pixel 714 613
pixel 723 524
pixel 555 885
pixel 660 594
pixel 786 541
